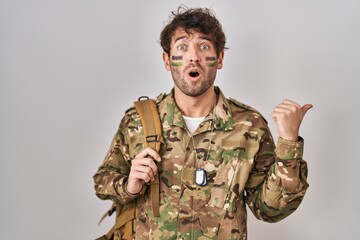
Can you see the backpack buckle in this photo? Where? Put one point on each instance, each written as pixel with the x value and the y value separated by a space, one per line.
pixel 142 98
pixel 152 138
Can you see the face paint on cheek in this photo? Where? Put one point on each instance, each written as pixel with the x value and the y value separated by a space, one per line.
pixel 176 64
pixel 212 61
pixel 176 58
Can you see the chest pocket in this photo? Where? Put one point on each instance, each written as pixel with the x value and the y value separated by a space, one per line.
pixel 220 191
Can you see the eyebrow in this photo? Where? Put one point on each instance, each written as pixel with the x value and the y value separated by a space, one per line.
pixel 205 38
pixel 202 37
pixel 179 38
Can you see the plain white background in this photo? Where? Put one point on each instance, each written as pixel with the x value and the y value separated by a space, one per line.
pixel 69 70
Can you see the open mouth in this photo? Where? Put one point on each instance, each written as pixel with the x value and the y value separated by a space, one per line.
pixel 194 74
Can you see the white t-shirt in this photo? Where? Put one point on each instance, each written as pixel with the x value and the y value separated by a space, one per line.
pixel 193 123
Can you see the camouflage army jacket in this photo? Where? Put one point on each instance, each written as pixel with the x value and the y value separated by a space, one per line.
pixel 242 167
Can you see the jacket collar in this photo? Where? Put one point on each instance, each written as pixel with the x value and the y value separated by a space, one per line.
pixel 170 114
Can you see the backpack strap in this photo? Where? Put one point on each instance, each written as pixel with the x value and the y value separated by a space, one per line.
pixel 150 120
pixel 125 213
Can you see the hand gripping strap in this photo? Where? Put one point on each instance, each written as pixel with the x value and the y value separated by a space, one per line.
pixel 150 120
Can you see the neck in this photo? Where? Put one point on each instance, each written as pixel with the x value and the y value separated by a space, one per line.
pixel 199 106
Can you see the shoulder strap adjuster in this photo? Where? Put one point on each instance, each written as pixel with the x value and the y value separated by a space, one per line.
pixel 152 138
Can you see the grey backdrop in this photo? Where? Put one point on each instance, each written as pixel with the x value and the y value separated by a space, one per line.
pixel 69 70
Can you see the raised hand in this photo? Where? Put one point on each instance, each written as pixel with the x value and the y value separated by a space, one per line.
pixel 288 116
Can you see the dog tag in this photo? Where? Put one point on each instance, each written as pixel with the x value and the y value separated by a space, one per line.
pixel 200 177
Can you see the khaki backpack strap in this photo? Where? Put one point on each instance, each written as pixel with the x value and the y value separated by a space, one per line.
pixel 108 213
pixel 127 214
pixel 150 120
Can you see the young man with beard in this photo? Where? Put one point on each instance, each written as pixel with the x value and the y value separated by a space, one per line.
pixel 217 154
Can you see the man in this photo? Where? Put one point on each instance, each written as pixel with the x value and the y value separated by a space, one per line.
pixel 217 154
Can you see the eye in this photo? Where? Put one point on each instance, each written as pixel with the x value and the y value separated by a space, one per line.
pixel 181 47
pixel 204 47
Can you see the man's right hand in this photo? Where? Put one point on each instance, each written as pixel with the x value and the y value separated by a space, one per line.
pixel 143 170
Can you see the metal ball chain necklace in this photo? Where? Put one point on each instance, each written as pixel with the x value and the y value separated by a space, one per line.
pixel 200 173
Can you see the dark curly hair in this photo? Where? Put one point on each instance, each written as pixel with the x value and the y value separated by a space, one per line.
pixel 202 20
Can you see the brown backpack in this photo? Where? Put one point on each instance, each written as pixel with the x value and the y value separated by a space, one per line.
pixel 126 214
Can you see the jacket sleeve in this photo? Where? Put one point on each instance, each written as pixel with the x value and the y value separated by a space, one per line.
pixel 277 182
pixel 111 178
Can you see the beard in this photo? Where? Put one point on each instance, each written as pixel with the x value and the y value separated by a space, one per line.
pixel 193 89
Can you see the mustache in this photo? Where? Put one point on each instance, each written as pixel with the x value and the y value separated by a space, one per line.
pixel 193 65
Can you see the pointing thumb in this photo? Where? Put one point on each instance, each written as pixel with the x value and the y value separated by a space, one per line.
pixel 305 108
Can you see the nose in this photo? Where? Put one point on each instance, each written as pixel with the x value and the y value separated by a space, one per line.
pixel 194 55
pixel 194 59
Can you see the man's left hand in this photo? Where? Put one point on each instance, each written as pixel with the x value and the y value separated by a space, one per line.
pixel 288 116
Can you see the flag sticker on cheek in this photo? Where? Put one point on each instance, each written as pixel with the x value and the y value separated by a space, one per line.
pixel 211 61
pixel 176 58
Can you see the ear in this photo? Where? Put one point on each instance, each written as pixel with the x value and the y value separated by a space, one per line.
pixel 166 60
pixel 220 60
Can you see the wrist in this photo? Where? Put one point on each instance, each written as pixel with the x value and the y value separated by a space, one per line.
pixel 130 193
pixel 126 190
pixel 290 137
pixel 287 149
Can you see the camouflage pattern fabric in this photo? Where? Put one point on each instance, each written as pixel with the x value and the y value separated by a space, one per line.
pixel 243 167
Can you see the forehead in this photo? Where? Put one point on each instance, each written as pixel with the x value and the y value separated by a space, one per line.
pixel 180 34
